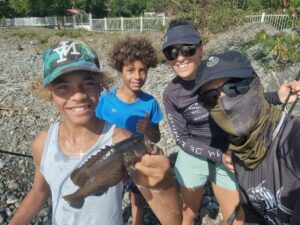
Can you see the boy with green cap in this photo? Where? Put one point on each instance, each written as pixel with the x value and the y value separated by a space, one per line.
pixel 74 81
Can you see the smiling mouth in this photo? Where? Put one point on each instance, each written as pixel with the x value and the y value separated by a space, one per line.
pixel 137 84
pixel 183 65
pixel 80 108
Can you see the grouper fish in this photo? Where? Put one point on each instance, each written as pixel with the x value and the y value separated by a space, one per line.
pixel 105 169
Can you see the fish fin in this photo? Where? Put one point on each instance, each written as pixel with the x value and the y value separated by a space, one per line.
pixel 78 176
pixel 96 157
pixel 77 204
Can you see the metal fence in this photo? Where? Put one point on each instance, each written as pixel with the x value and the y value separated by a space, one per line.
pixel 280 22
pixel 84 20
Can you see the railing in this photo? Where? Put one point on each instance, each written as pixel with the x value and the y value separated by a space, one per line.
pixel 53 21
pixel 280 22
pixel 133 24
pixel 129 24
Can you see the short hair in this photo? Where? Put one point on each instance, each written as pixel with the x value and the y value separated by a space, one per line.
pixel 130 49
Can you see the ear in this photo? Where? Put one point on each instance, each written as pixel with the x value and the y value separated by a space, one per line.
pixel 51 97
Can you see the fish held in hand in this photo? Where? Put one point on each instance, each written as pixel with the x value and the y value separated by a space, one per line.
pixel 106 169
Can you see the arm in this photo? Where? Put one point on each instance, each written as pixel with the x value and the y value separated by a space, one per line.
pixel 279 97
pixel 227 160
pixel 154 178
pixel 296 216
pixel 184 140
pixel 40 191
pixel 289 150
pixel 273 98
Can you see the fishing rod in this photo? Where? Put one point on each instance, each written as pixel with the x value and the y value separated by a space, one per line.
pixel 16 154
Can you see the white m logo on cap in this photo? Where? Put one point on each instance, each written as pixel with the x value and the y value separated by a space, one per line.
pixel 66 49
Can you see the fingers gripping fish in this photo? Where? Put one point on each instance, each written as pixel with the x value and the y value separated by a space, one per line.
pixel 105 169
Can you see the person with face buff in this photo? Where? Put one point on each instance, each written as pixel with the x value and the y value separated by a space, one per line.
pixel 264 141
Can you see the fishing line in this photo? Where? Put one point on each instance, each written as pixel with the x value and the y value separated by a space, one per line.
pixel 16 154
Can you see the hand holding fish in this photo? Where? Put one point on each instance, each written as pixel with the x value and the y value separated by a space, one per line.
pixel 152 171
pixel 155 180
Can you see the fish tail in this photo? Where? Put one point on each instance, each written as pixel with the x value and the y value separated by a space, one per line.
pixel 73 201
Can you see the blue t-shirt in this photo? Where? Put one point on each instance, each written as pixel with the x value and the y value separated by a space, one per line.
pixel 125 115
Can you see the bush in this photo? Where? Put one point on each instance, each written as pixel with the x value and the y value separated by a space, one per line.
pixel 283 48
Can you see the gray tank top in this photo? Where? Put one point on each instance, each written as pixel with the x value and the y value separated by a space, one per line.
pixel 56 168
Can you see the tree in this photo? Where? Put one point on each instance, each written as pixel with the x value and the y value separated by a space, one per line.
pixel 96 7
pixel 6 10
pixel 126 8
pixel 20 7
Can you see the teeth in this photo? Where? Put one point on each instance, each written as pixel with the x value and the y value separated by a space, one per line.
pixel 78 109
pixel 182 65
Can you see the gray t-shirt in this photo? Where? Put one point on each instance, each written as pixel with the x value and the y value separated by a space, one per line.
pixel 56 168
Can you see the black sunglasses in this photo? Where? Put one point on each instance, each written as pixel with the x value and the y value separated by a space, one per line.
pixel 231 88
pixel 186 50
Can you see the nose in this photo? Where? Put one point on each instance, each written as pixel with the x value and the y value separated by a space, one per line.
pixel 180 57
pixel 222 94
pixel 137 74
pixel 78 94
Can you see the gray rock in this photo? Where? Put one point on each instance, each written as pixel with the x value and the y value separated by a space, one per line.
pixel 12 185
pixel 11 199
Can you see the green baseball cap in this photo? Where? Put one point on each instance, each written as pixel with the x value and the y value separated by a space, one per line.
pixel 68 56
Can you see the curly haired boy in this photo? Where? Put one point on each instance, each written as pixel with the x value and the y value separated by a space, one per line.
pixel 128 106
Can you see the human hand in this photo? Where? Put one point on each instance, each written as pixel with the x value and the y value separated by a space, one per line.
pixel 286 88
pixel 227 161
pixel 143 126
pixel 153 176
pixel 152 170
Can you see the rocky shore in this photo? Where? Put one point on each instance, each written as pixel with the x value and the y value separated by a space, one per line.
pixel 22 115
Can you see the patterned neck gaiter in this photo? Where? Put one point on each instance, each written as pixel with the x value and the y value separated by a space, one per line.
pixel 250 121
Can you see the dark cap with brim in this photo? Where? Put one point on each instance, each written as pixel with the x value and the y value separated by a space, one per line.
pixel 182 34
pixel 66 57
pixel 228 64
pixel 80 66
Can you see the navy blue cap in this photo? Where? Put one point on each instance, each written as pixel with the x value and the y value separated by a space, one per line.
pixel 182 34
pixel 227 64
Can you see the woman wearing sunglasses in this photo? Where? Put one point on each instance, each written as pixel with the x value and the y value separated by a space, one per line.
pixel 196 134
pixel 264 140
